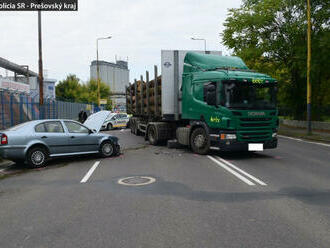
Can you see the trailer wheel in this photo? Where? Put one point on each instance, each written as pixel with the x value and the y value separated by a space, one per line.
pixel 199 141
pixel 133 127
pixel 152 135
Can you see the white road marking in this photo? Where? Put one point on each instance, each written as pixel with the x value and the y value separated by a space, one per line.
pixel 90 172
pixel 241 171
pixel 247 181
pixel 301 140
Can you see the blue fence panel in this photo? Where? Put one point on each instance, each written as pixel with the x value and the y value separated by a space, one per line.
pixel 18 108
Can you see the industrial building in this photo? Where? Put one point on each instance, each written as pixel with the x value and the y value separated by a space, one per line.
pixel 116 75
pixel 25 81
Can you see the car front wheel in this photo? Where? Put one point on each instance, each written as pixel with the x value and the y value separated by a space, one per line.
pixel 107 149
pixel 37 157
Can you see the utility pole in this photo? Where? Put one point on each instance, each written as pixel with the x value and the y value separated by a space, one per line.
pixel 98 68
pixel 309 53
pixel 41 78
pixel 98 73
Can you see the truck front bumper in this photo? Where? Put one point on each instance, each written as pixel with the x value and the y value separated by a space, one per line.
pixel 235 145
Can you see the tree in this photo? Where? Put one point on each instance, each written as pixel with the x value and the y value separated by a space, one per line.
pixel 271 37
pixel 72 90
pixel 69 89
pixel 89 92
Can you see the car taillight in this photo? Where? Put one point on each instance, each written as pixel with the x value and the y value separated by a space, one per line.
pixel 4 139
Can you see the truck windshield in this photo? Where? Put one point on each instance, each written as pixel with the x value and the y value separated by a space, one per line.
pixel 244 95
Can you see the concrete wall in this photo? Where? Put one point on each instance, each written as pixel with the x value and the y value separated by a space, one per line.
pixel 316 125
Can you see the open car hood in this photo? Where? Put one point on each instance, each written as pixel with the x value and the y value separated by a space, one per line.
pixel 95 121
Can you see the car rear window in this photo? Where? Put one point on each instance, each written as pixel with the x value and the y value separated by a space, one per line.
pixel 49 127
pixel 40 128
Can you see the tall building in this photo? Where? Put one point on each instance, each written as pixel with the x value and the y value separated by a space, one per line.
pixel 116 75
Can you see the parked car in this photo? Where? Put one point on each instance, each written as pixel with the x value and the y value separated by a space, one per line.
pixel 35 142
pixel 116 120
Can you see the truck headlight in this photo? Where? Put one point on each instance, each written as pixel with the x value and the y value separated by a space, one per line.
pixel 227 136
pixel 274 135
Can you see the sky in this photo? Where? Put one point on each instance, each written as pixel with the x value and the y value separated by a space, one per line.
pixel 140 30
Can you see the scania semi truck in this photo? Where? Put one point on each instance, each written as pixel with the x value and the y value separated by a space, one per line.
pixel 205 101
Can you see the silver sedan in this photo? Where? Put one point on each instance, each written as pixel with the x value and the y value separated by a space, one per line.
pixel 35 142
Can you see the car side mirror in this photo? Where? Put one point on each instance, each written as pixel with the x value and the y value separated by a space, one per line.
pixel 211 97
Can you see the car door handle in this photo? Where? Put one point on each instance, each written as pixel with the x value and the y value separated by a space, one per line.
pixel 44 137
pixel 72 137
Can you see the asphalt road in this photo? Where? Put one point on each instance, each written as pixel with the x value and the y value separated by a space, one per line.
pixel 276 198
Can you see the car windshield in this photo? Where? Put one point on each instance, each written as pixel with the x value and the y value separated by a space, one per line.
pixel 244 95
pixel 110 117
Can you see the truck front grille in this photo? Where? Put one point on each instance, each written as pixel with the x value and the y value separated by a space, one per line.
pixel 255 119
pixel 255 122
pixel 255 129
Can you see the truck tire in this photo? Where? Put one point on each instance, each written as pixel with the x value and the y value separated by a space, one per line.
pixel 152 135
pixel 199 141
pixel 133 127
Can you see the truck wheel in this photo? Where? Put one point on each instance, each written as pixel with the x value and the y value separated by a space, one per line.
pixel 152 135
pixel 199 141
pixel 133 131
pixel 37 157
pixel 109 126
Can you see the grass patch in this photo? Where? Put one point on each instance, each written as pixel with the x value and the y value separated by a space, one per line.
pixel 313 137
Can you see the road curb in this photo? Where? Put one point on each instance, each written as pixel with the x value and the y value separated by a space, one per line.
pixel 4 164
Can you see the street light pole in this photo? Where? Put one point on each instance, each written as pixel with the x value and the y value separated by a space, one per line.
pixel 309 87
pixel 202 40
pixel 98 68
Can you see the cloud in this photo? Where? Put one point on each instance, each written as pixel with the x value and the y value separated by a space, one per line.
pixel 140 29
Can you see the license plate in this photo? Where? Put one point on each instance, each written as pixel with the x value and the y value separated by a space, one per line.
pixel 256 147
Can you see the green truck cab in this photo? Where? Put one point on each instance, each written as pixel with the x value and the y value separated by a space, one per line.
pixel 207 102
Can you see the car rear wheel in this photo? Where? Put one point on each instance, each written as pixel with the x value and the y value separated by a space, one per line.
pixel 109 126
pixel 107 149
pixel 199 141
pixel 37 157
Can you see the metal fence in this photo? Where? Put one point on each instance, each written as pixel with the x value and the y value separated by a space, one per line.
pixel 18 108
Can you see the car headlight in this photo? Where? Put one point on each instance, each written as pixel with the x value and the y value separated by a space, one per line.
pixel 274 135
pixel 224 136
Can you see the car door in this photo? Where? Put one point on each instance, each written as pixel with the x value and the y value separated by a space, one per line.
pixel 80 138
pixel 125 119
pixel 52 133
pixel 115 120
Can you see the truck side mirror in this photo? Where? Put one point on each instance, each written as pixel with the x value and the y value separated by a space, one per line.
pixel 211 96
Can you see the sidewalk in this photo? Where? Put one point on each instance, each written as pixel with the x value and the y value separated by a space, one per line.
pixel 4 163
pixel 317 135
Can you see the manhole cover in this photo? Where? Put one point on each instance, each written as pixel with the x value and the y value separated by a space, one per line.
pixel 136 181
